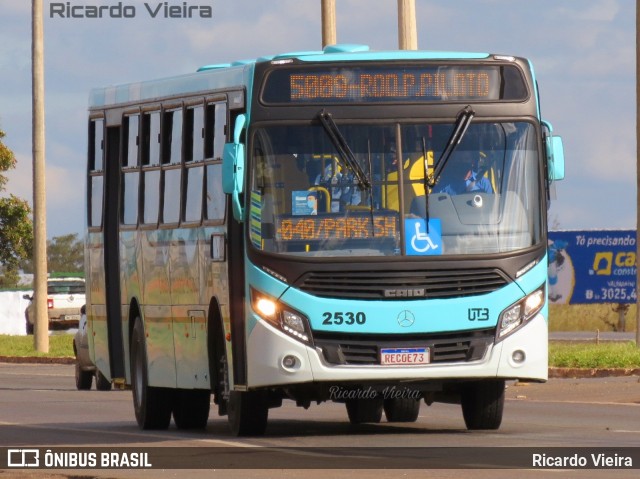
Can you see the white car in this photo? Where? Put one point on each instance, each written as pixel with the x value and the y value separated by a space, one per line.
pixel 85 369
pixel 65 297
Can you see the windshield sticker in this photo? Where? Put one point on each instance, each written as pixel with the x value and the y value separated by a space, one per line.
pixel 419 242
pixel 256 219
pixel 304 202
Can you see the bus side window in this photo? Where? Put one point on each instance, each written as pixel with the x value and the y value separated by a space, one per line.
pixel 172 137
pixel 193 158
pixel 193 193
pixel 150 159
pixel 151 205
pixel 215 138
pixel 215 130
pixel 194 134
pixel 171 165
pixel 131 173
pixel 96 182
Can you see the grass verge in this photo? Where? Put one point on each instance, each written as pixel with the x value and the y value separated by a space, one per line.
pixel 60 346
pixel 603 355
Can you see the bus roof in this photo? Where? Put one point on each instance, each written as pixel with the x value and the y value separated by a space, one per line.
pixel 236 74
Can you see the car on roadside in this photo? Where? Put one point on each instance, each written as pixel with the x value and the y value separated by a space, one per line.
pixel 85 369
pixel 65 297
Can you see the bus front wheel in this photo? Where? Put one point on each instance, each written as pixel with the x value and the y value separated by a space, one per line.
pixel 152 405
pixel 482 404
pixel 191 408
pixel 402 409
pixel 247 412
pixel 361 411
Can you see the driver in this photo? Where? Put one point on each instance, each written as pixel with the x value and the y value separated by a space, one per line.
pixel 464 173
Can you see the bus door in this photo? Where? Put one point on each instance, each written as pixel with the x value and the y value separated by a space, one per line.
pixel 111 248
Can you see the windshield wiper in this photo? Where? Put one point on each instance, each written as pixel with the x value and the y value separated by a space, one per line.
pixel 342 146
pixel 460 128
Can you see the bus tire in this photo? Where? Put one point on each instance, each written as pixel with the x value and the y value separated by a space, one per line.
pixel 152 405
pixel 247 412
pixel 191 408
pixel 83 378
pixel 482 404
pixel 361 411
pixel 102 383
pixel 401 409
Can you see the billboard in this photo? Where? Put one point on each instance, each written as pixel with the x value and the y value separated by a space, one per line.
pixel 592 266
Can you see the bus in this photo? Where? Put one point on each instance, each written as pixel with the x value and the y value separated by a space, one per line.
pixel 364 227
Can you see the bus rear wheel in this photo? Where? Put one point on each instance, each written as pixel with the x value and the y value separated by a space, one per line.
pixel 361 411
pixel 152 405
pixel 247 412
pixel 482 404
pixel 191 408
pixel 102 383
pixel 402 409
pixel 83 378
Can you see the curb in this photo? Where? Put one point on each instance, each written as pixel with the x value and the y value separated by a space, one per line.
pixel 592 372
pixel 36 360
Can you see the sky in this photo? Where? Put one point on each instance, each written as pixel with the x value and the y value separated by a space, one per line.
pixel 583 52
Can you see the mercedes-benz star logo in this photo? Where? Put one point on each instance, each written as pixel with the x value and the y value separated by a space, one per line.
pixel 406 318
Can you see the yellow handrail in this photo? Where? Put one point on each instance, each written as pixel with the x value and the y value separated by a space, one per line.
pixel 327 196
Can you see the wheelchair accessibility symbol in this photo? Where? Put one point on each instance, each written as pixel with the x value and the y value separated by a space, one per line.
pixel 418 242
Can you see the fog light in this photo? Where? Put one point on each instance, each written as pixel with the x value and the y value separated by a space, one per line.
pixel 518 356
pixel 289 361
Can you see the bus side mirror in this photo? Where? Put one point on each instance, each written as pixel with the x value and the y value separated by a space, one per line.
pixel 556 158
pixel 233 164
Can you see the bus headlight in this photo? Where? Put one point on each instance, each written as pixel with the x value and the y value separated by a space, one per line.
pixel 516 315
pixel 286 319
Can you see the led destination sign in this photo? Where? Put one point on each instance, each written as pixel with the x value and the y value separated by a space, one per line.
pixel 356 84
pixel 325 227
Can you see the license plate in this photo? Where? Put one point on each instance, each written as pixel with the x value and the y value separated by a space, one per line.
pixel 404 356
pixel 71 317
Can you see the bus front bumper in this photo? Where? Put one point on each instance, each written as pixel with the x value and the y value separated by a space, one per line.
pixel 275 359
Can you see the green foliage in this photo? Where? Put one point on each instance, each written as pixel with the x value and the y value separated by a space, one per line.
pixel 589 317
pixel 16 228
pixel 603 355
pixel 65 257
pixel 7 161
pixel 60 346
pixel 65 254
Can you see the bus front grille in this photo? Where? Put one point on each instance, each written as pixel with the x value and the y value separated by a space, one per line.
pixel 402 285
pixel 341 349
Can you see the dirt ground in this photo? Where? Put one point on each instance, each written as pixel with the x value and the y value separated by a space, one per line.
pixel 613 389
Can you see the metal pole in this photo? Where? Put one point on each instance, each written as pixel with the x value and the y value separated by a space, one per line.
pixel 329 36
pixel 637 167
pixel 41 323
pixel 407 31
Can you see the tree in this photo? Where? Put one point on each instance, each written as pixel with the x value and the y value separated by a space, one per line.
pixel 65 254
pixel 16 227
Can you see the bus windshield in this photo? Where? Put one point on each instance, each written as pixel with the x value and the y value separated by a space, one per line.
pixel 306 199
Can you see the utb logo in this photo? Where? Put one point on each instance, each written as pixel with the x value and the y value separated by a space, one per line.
pixel 604 260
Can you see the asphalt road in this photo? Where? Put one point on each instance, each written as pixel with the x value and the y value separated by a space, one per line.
pixel 40 407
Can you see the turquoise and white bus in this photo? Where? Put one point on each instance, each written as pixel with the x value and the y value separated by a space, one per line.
pixel 340 225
